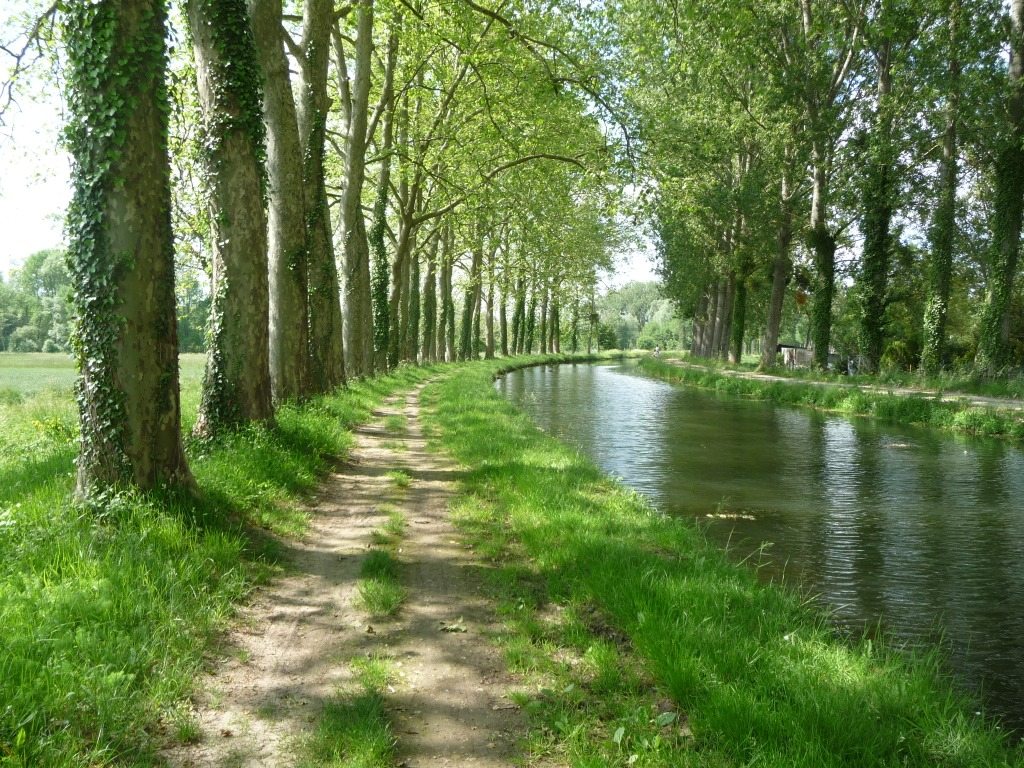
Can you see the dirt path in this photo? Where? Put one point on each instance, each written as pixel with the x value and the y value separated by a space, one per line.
pixel 292 650
pixel 1005 403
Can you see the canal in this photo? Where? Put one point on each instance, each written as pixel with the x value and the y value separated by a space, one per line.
pixel 910 530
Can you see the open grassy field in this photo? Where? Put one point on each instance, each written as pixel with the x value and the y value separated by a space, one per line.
pixel 31 372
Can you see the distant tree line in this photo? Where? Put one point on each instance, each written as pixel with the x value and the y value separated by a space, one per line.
pixel 36 310
pixel 840 173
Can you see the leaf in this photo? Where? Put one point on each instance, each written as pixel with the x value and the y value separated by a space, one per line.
pixel 619 733
pixel 666 718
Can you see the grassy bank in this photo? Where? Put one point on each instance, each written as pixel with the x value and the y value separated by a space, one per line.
pixel 953 416
pixel 642 645
pixel 105 612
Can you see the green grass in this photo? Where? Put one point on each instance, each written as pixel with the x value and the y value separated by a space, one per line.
pixel 106 612
pixel 353 731
pixel 396 425
pixel 379 588
pixel 400 478
pixel 718 669
pixel 954 416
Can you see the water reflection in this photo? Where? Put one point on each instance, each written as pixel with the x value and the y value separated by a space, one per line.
pixel 918 530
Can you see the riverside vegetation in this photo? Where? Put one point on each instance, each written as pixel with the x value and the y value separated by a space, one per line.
pixel 632 634
pixel 952 415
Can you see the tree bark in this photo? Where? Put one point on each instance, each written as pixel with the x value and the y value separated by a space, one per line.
pixel 378 227
pixel 781 268
pixel 878 208
pixel 823 249
pixel 236 386
pixel 121 251
pixel 428 352
pixel 289 337
pixel 326 341
pixel 993 347
pixel 944 228
pixel 358 325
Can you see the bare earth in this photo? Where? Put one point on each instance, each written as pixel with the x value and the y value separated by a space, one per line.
pixel 292 649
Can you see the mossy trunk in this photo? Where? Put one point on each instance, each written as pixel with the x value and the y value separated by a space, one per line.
pixel 782 267
pixel 121 250
pixel 326 342
pixel 879 191
pixel 378 226
pixel 428 352
pixel 236 386
pixel 1008 213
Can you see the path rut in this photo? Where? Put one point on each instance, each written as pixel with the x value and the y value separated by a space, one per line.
pixel 292 648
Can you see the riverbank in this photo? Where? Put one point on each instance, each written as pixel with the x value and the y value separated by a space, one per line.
pixel 904 406
pixel 639 643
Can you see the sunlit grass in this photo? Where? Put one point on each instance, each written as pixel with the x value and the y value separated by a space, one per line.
pixel 106 613
pixel 379 588
pixel 717 669
pixel 353 730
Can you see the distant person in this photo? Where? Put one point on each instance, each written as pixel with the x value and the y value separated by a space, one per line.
pixel 657 351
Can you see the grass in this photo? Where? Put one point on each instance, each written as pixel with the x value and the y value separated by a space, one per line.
pixel 380 591
pixel 717 669
pixel 106 612
pixel 954 416
pixel 353 730
pixel 400 478
pixel 396 425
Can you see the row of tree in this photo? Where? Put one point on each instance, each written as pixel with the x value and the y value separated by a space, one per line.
pixel 855 162
pixel 371 183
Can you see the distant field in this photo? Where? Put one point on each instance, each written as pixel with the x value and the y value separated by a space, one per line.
pixel 29 373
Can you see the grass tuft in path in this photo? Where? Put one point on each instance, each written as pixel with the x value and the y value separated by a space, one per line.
pixel 353 730
pixel 721 670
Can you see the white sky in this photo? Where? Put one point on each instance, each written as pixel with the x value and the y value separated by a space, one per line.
pixel 34 183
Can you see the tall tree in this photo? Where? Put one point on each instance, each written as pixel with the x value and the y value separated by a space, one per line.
pixel 120 252
pixel 1008 210
pixel 236 387
pixel 358 307
pixel 327 347
pixel 289 333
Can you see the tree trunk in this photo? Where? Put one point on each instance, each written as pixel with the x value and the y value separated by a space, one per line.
pixel 121 249
pixel 553 325
pixel 503 319
pixel 412 336
pixel 489 320
pixel 428 352
pixel 531 322
pixel 467 342
pixel 289 337
pixel 236 387
pixel 739 321
pixel 725 313
pixel 878 207
pixel 781 268
pixel 944 228
pixel 358 323
pixel 327 346
pixel 519 317
pixel 993 347
pixel 544 321
pixel 823 250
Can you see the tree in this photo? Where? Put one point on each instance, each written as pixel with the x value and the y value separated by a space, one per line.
pixel 287 249
pixel 120 253
pixel 236 386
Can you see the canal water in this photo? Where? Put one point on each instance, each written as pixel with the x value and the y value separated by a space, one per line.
pixel 910 530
